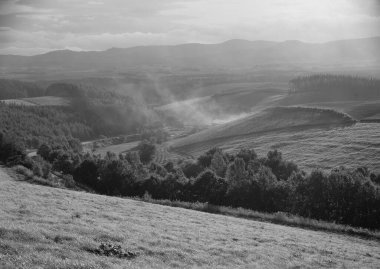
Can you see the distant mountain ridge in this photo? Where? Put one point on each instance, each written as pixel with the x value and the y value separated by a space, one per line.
pixel 230 54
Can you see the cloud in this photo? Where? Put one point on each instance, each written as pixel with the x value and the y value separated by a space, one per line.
pixel 369 7
pixel 43 25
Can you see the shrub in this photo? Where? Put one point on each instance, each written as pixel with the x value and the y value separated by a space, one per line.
pixel 146 151
pixel 23 171
pixel 87 173
pixel 191 169
pixel 68 181
pixel 208 187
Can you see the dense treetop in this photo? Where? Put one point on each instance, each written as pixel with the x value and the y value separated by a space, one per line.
pixel 328 82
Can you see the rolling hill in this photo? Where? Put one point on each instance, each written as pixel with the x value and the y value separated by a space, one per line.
pixel 43 227
pixel 312 138
pixel 227 102
pixel 268 120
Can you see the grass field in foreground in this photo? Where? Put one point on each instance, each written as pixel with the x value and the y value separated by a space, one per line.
pixel 42 227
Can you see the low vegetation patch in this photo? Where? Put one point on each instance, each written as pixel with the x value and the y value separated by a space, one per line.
pixel 110 250
pixel 282 218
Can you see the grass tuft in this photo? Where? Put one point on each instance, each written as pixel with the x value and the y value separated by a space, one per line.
pixel 18 235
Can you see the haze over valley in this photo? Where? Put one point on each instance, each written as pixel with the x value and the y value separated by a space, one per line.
pixel 265 114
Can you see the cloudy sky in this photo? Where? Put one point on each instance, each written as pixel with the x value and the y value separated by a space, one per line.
pixel 30 27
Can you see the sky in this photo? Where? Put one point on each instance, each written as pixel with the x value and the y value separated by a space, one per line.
pixel 29 27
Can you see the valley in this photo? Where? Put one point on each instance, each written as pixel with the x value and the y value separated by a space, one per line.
pixel 189 134
pixel 313 128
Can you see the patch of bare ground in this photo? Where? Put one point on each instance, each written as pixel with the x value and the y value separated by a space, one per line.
pixel 43 227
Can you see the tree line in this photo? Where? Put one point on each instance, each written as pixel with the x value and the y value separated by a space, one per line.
pixel 327 82
pixel 13 89
pixel 267 184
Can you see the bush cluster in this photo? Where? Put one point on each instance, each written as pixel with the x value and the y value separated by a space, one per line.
pixel 266 184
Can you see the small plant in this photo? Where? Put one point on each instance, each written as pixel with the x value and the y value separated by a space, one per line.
pixel 147 197
pixel 61 238
pixel 110 250
pixel 68 181
pixel 76 215
pixel 24 171
pixel 57 239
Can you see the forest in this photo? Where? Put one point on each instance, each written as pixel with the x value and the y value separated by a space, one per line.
pixel 12 89
pixel 326 82
pixel 33 126
pixel 92 113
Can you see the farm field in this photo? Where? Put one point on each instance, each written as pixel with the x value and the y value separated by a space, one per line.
pixel 43 227
pixel 271 119
pixel 352 146
pixel 232 87
pixel 39 101
pixel 19 102
pixel 359 110
pixel 163 155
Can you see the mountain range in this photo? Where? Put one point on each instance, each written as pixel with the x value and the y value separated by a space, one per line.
pixel 232 54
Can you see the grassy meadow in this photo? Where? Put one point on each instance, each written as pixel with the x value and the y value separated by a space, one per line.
pixel 43 227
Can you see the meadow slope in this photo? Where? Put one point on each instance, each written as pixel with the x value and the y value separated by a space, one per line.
pixel 43 227
pixel 270 119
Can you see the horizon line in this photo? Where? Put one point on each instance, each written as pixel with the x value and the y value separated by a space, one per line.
pixel 192 43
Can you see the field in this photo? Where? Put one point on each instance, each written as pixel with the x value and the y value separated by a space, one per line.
pixel 39 101
pixel 19 102
pixel 271 119
pixel 43 227
pixel 324 148
pixel 359 110
pixel 235 87
pixel 163 155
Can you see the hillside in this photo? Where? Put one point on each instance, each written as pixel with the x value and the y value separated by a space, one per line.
pixel 230 54
pixel 230 101
pixel 43 227
pixel 314 148
pixel 271 119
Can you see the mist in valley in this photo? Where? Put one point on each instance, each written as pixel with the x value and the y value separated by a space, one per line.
pixel 264 113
